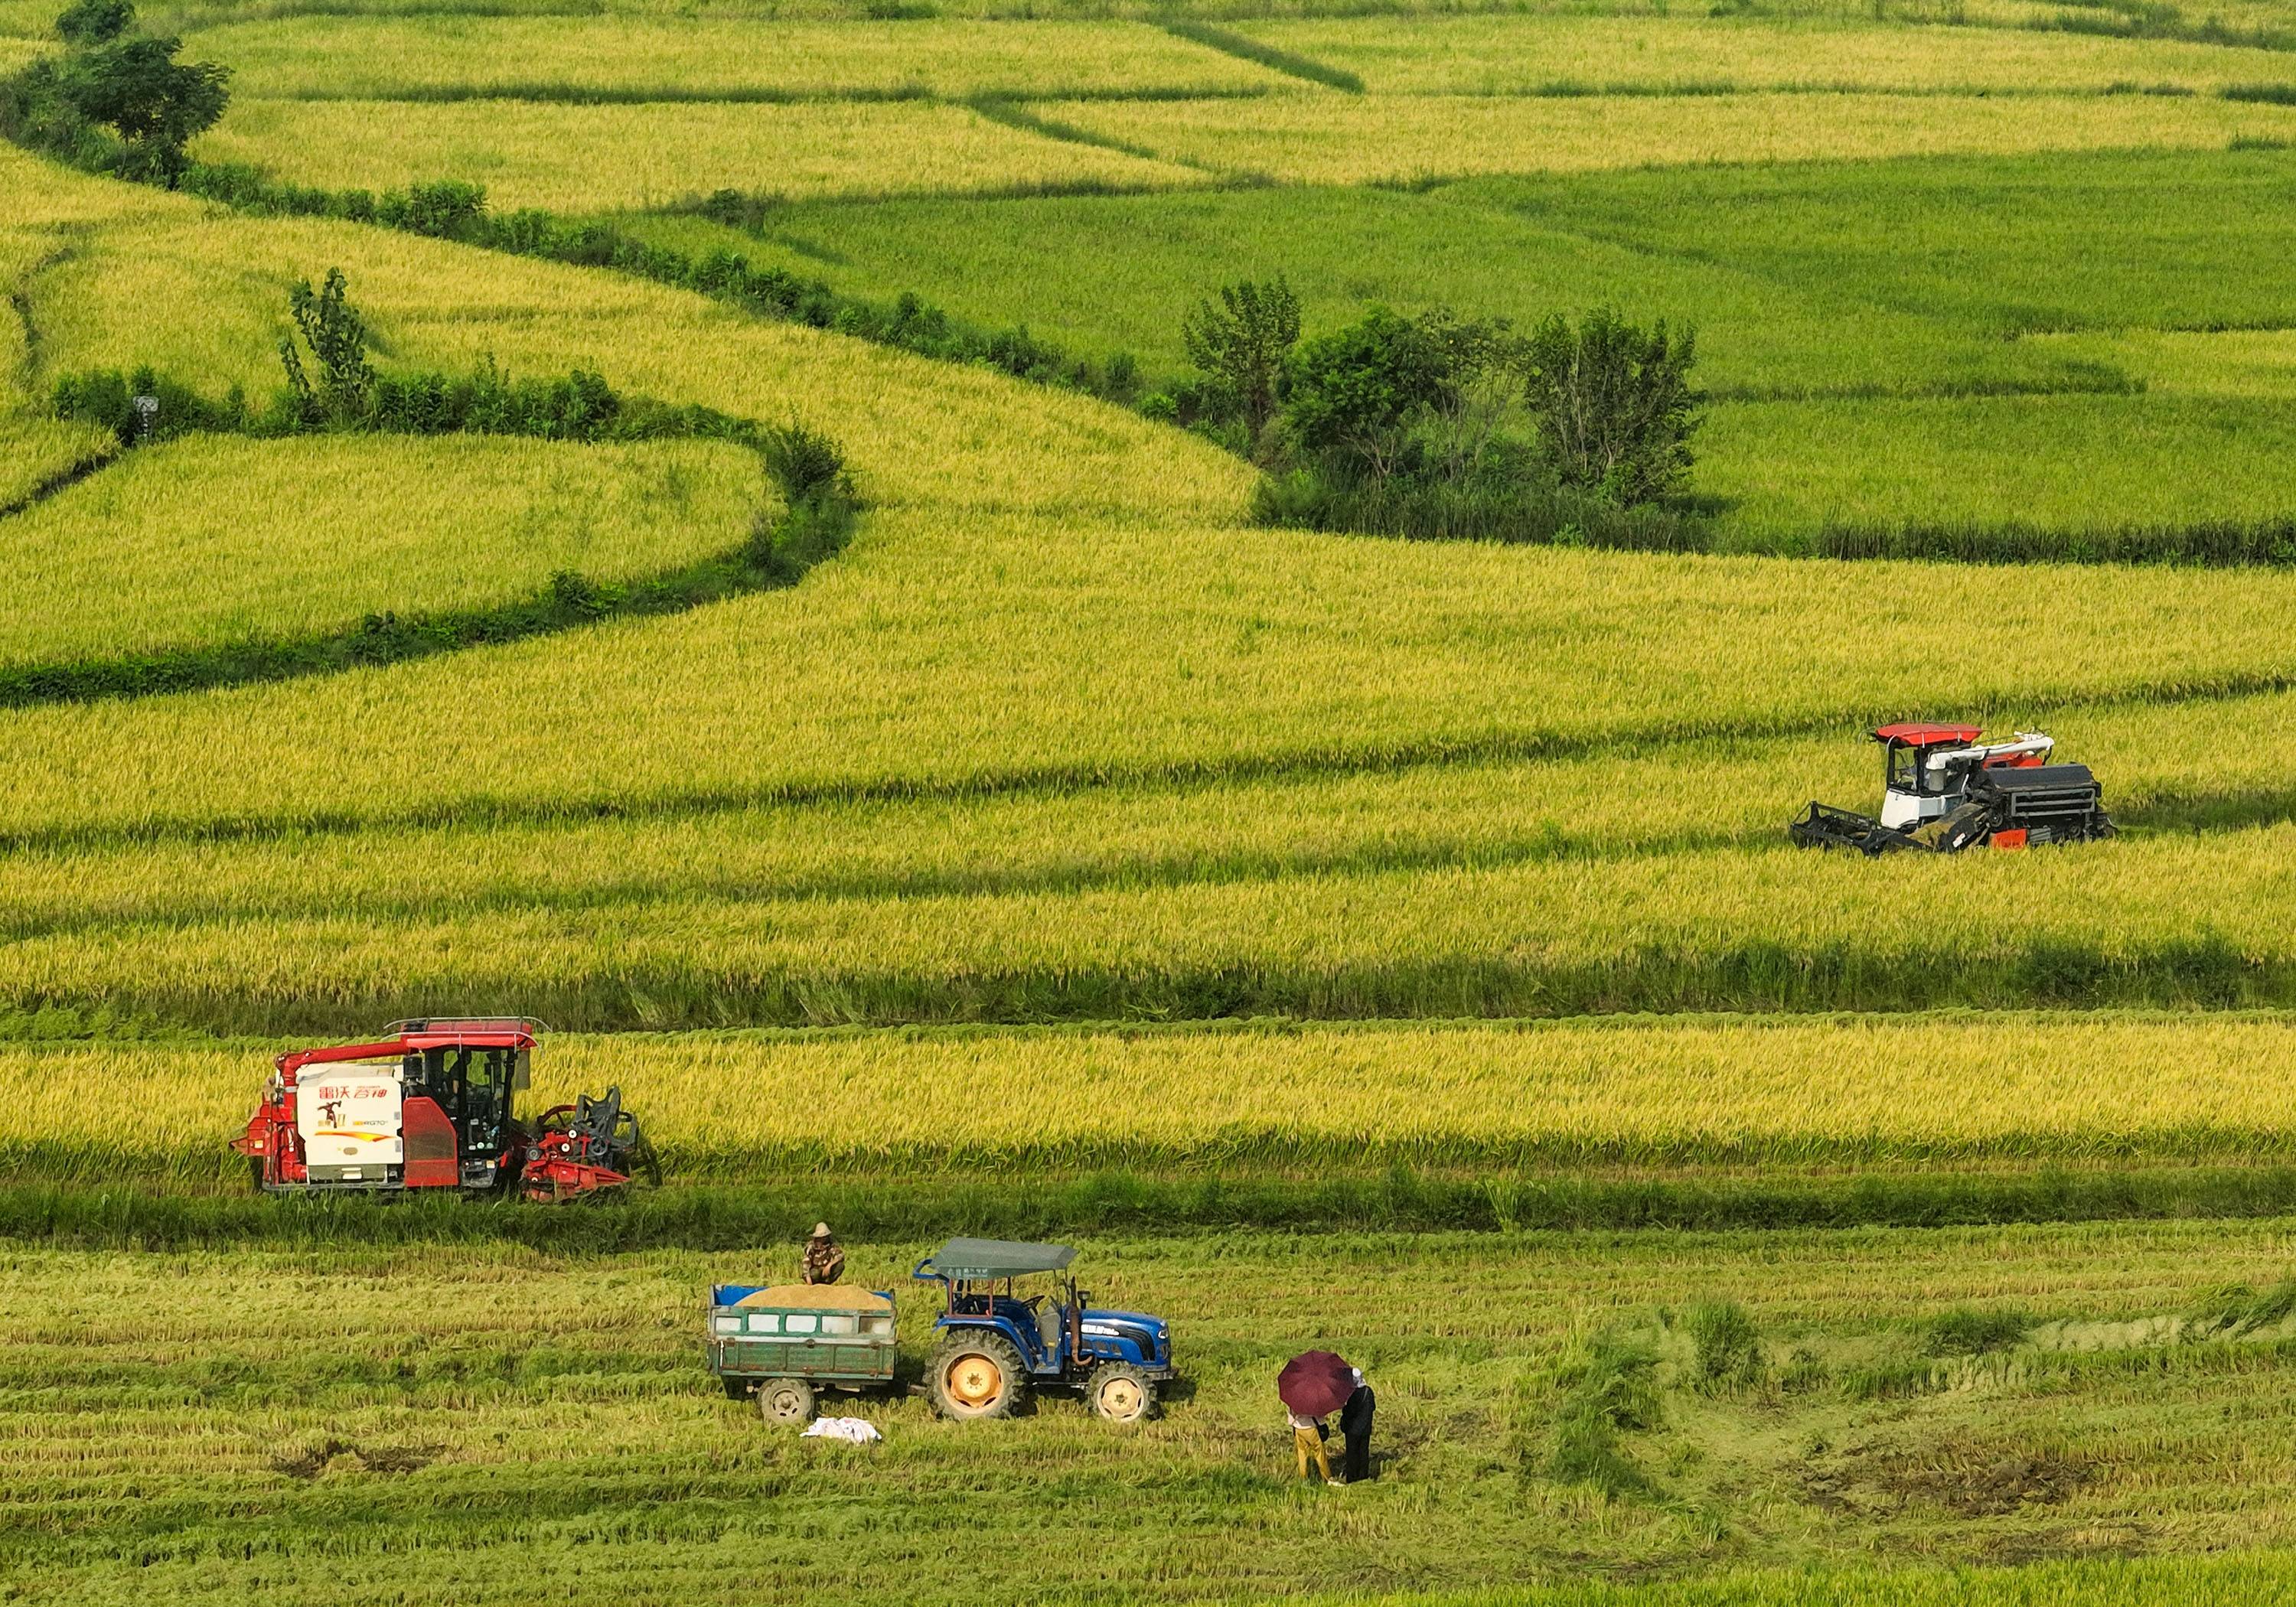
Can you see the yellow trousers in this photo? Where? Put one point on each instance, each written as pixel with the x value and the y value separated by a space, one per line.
pixel 1310 1445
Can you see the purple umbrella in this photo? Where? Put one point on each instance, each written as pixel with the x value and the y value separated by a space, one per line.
pixel 1316 1383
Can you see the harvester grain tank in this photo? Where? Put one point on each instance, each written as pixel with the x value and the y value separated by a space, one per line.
pixel 1943 791
pixel 431 1105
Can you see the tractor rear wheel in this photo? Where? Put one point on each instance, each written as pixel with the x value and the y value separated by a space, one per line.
pixel 1120 1392
pixel 785 1400
pixel 977 1375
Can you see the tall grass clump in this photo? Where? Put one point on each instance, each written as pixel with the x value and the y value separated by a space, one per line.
pixel 1726 1348
pixel 1607 1384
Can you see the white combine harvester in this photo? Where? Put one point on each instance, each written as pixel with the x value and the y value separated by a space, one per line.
pixel 1944 792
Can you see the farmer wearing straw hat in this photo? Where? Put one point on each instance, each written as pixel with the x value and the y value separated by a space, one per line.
pixel 824 1261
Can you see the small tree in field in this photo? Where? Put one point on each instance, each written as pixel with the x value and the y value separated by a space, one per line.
pixel 337 338
pixel 1241 342
pixel 1614 404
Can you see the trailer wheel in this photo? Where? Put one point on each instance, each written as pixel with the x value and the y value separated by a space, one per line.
pixel 785 1400
pixel 977 1375
pixel 1120 1392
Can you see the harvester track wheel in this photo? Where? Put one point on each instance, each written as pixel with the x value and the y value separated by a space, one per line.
pixel 977 1375
pixel 785 1400
pixel 1120 1392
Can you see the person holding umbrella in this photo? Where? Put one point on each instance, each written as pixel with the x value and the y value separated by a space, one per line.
pixel 1355 1426
pixel 1312 1386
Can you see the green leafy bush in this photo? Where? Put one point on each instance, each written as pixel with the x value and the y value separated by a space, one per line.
pixel 1614 405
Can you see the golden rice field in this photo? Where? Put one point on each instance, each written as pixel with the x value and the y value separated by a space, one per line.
pixel 613 157
pixel 1957 1088
pixel 202 541
pixel 863 680
pixel 386 57
pixel 1513 54
pixel 1607 805
pixel 1356 140
pixel 34 451
pixel 2196 920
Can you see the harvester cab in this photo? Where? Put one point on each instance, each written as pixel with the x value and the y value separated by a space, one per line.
pixel 1943 791
pixel 996 1346
pixel 431 1106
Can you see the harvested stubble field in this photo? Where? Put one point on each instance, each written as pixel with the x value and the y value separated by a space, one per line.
pixel 1062 736
pixel 417 1427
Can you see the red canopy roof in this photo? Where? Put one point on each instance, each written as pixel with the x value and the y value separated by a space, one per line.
pixel 1915 734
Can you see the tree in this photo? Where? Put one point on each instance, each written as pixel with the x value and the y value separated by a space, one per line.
pixel 155 102
pixel 1614 405
pixel 1242 343
pixel 94 22
pixel 1355 390
pixel 338 338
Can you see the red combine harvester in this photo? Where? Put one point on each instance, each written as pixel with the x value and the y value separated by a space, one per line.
pixel 1944 792
pixel 430 1107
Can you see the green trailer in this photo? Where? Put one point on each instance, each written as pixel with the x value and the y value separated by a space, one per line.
pixel 785 1344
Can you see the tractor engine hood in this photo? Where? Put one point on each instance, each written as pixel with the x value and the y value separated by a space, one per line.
pixel 1152 1333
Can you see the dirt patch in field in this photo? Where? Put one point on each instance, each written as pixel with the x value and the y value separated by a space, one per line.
pixel 1972 1479
pixel 315 1460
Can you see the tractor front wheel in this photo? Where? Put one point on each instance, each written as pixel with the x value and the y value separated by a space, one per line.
pixel 1120 1392
pixel 785 1400
pixel 977 1375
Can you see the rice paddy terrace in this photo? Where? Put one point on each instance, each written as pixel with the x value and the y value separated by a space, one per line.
pixel 1349 939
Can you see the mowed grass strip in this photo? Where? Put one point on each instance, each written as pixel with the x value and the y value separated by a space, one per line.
pixel 1844 1092
pixel 207 540
pixel 564 158
pixel 446 54
pixel 1517 54
pixel 1389 139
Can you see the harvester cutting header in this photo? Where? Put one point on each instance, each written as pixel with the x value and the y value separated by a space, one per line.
pixel 1944 792
pixel 430 1107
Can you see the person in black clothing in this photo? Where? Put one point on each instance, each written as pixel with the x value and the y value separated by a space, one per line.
pixel 1355 1425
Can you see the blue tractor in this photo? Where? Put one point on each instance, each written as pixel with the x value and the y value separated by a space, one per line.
pixel 998 1347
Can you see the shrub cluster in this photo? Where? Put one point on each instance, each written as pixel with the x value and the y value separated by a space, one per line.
pixel 1440 426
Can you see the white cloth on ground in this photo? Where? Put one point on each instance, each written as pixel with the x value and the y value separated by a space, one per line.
pixel 857 1431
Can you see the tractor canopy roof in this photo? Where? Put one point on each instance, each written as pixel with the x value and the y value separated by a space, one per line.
pixel 979 1258
pixel 488 1032
pixel 1919 734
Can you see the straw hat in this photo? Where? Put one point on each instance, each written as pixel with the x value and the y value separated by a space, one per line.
pixel 821 1230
